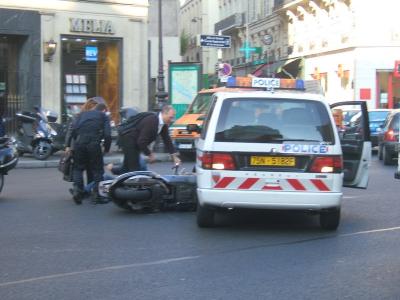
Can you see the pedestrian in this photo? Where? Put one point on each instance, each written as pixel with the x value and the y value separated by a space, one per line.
pixel 137 141
pixel 69 141
pixel 88 130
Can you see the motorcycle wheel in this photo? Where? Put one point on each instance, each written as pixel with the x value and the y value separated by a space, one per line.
pixel 1 182
pixel 42 151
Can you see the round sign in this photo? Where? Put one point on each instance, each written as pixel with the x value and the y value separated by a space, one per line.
pixel 226 69
pixel 267 39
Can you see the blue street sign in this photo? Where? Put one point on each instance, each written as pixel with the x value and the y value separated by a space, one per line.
pixel 215 41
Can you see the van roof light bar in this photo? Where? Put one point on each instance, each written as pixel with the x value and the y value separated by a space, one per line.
pixel 266 83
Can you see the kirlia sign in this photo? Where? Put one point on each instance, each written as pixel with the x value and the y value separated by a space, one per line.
pixel 91 26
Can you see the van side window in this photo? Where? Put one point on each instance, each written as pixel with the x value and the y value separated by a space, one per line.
pixel 207 120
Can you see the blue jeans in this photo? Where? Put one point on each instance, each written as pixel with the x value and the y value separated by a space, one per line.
pixel 89 187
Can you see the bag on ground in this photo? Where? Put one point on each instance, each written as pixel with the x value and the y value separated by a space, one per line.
pixel 65 166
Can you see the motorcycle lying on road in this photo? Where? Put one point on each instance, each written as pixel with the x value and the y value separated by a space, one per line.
pixel 8 158
pixel 147 191
pixel 39 134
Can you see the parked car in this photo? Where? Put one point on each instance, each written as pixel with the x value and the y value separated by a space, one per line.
pixel 377 119
pixel 388 139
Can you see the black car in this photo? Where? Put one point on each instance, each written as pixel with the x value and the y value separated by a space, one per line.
pixel 377 119
pixel 388 144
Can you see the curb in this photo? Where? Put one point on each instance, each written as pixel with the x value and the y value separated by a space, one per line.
pixel 52 162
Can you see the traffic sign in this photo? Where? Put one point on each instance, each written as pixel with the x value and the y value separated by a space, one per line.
pixel 215 41
pixel 226 69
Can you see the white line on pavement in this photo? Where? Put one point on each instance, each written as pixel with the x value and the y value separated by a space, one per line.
pixel 112 268
pixel 160 262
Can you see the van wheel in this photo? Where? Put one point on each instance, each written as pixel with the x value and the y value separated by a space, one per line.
pixel 205 217
pixel 387 158
pixel 330 219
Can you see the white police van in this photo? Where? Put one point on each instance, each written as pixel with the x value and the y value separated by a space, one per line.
pixel 278 149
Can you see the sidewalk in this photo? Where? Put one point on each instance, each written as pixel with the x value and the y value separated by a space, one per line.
pixel 29 162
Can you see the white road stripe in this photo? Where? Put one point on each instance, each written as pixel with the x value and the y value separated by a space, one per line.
pixel 112 268
pixel 371 231
pixel 159 262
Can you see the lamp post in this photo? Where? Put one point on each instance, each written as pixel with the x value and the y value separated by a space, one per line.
pixel 161 93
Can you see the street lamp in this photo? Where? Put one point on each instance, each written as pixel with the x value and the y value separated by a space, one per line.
pixel 161 93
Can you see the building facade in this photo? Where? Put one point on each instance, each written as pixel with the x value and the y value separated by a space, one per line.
pixel 349 46
pixel 59 53
pixel 198 18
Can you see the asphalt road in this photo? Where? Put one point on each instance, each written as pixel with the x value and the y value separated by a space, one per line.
pixel 52 249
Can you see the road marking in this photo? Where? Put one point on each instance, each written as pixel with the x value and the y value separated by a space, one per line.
pixel 370 231
pixel 112 268
pixel 184 258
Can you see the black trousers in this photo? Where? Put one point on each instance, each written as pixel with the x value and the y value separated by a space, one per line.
pixel 131 155
pixel 88 157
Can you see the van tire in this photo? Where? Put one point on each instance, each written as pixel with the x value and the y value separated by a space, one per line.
pixel 330 219
pixel 205 217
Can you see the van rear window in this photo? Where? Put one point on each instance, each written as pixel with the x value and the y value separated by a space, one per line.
pixel 266 120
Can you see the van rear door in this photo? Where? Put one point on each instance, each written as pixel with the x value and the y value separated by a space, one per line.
pixel 355 142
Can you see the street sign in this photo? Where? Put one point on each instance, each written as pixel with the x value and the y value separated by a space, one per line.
pixel 215 41
pixel 224 78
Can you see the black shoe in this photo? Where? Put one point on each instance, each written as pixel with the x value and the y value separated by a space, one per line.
pixel 77 195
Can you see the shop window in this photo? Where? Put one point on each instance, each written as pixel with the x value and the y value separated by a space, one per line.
pixel 345 80
pixel 91 67
pixel 323 78
pixel 383 88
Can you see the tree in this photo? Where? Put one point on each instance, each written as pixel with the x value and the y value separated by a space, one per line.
pixel 184 39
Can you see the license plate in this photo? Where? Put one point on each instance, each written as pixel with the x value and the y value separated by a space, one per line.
pixel 185 146
pixel 281 161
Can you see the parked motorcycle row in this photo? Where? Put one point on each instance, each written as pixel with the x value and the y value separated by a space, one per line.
pixel 8 157
pixel 37 133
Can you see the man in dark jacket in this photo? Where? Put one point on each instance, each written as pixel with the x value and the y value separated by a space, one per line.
pixel 145 132
pixel 88 130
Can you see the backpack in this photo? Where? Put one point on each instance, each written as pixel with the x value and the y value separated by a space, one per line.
pixel 131 123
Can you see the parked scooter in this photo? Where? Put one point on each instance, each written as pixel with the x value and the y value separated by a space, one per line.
pixel 37 133
pixel 146 191
pixel 8 157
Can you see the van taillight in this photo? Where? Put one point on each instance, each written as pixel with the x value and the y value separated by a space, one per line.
pixel 327 164
pixel 390 136
pixel 217 161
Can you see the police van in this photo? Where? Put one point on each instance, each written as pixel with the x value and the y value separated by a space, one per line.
pixel 278 149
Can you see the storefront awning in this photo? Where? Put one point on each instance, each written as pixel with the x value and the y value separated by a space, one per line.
pixel 290 69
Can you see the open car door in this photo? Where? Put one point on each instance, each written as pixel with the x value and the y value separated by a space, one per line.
pixel 355 140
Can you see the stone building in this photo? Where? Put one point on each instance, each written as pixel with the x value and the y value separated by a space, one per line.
pixel 57 53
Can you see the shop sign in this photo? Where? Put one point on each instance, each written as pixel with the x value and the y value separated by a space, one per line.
pixel 91 26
